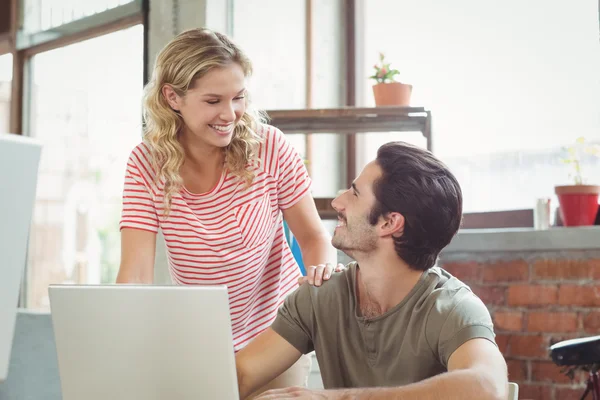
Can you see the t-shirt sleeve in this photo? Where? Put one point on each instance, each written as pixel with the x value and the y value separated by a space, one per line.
pixel 294 320
pixel 293 181
pixel 139 211
pixel 468 319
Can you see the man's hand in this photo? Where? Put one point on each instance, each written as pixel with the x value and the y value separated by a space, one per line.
pixel 265 358
pixel 295 393
pixel 317 274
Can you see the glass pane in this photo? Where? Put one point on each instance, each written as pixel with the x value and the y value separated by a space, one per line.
pixel 328 54
pixel 6 69
pixel 86 109
pixel 42 15
pixel 369 143
pixel 328 151
pixel 503 100
pixel 326 162
pixel 276 48
pixel 278 53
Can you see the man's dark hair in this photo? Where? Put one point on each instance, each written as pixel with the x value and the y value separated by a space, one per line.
pixel 417 185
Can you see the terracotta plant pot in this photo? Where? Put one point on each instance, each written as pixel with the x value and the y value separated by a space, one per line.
pixel 578 204
pixel 392 94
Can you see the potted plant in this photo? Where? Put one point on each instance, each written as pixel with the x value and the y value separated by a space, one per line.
pixel 387 91
pixel 578 202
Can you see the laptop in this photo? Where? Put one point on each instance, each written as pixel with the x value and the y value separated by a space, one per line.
pixel 146 342
pixel 19 161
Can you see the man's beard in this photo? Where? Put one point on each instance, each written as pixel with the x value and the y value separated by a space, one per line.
pixel 360 239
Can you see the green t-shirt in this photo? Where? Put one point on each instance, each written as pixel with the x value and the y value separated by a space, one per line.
pixel 409 343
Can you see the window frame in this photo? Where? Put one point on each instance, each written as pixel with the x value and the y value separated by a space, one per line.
pixel 25 46
pixel 354 59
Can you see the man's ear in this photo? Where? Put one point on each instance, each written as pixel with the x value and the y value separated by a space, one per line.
pixel 171 96
pixel 394 224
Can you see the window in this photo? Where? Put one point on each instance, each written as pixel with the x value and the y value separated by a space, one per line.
pixel 275 42
pixel 42 15
pixel 508 83
pixel 85 108
pixel 327 154
pixel 276 39
pixel 6 69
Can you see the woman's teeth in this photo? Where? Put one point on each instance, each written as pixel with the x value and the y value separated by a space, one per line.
pixel 221 128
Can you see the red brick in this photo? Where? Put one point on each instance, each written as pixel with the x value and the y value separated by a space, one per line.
pixel 517 370
pixel 465 271
pixel 532 295
pixel 595 269
pixel 569 393
pixel 577 295
pixel 528 346
pixel 534 392
pixel 502 342
pixel 508 320
pixel 490 295
pixel 591 322
pixel 552 322
pixel 546 371
pixel 562 269
pixel 506 271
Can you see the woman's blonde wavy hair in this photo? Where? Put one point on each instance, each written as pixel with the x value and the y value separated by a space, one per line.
pixel 189 56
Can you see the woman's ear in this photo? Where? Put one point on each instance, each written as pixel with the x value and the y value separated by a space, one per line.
pixel 171 96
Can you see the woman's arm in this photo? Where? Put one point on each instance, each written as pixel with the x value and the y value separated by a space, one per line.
pixel 138 249
pixel 318 255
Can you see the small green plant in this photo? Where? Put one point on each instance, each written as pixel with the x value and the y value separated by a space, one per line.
pixel 383 72
pixel 574 154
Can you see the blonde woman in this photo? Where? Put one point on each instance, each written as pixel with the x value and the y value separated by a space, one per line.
pixel 217 182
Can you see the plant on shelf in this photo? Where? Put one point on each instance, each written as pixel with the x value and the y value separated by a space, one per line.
pixel 579 201
pixel 386 90
pixel 574 154
pixel 384 73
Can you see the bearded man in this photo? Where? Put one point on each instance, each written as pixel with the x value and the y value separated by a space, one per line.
pixel 392 325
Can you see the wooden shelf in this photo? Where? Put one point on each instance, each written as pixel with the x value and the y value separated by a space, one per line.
pixel 351 120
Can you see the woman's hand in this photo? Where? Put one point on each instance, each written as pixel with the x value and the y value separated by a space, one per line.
pixel 317 274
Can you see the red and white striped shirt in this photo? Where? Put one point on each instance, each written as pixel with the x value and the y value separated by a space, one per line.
pixel 232 235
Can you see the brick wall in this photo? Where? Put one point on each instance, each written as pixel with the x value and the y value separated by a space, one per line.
pixel 536 299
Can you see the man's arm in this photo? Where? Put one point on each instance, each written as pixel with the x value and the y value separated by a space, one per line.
pixel 262 360
pixel 476 370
